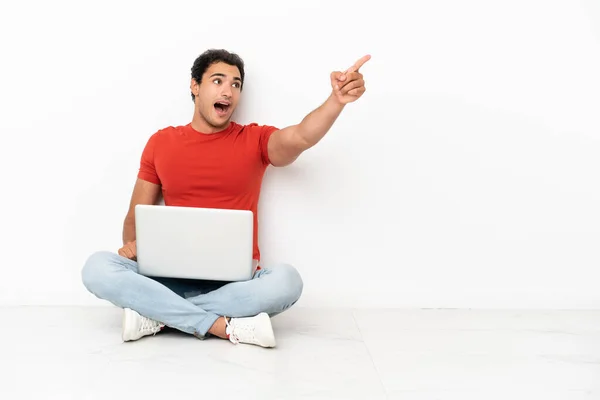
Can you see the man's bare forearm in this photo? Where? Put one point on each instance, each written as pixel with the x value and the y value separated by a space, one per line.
pixel 286 145
pixel 129 229
pixel 316 124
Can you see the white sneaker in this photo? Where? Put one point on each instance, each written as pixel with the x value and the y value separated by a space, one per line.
pixel 251 330
pixel 135 326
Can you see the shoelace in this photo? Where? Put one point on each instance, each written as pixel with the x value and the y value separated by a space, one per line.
pixel 234 330
pixel 233 337
pixel 149 325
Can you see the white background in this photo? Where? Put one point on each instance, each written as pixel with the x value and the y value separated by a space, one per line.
pixel 468 175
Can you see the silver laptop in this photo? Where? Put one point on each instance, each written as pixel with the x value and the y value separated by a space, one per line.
pixel 194 243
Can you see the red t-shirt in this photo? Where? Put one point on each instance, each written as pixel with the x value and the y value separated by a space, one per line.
pixel 219 170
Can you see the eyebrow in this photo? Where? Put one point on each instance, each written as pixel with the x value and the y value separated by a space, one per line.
pixel 235 78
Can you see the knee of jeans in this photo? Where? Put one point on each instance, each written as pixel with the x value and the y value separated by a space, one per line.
pixel 290 283
pixel 95 271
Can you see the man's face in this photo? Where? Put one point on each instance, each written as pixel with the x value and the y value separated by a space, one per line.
pixel 218 94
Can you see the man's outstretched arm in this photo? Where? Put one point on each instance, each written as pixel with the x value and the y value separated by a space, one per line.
pixel 285 145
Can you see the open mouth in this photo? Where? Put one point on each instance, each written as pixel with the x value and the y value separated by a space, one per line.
pixel 222 107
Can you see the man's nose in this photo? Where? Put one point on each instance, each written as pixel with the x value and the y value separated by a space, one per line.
pixel 226 91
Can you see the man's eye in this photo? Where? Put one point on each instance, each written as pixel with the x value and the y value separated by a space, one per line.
pixel 217 81
pixel 236 84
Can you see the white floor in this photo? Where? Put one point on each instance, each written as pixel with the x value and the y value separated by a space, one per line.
pixel 76 353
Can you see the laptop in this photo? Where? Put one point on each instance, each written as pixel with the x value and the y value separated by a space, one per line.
pixel 194 243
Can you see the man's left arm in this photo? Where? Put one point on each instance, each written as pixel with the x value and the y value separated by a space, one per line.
pixel 285 145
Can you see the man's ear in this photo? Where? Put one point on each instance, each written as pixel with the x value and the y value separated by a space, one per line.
pixel 194 87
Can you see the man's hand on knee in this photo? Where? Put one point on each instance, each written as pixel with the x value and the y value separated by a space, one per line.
pixel 129 250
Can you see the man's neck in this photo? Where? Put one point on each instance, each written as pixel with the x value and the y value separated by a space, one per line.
pixel 200 125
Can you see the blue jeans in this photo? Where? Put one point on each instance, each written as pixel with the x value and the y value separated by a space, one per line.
pixel 191 306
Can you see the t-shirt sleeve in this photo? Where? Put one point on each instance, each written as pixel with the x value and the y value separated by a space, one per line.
pixel 265 132
pixel 147 169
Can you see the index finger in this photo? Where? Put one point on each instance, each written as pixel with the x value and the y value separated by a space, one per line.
pixel 359 63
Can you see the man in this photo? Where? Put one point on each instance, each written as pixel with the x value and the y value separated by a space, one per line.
pixel 216 163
